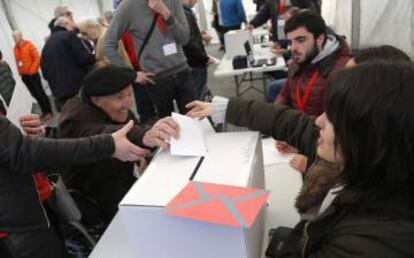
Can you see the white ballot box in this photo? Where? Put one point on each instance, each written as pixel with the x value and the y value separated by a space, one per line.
pixel 234 41
pixel 231 159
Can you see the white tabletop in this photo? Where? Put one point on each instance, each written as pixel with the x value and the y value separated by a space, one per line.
pixel 284 183
pixel 225 68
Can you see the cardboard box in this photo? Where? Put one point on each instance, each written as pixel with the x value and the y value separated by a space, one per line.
pixel 232 159
pixel 234 41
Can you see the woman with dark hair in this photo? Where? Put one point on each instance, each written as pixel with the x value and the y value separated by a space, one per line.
pixel 368 131
pixel 382 52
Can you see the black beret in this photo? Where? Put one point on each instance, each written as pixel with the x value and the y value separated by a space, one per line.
pixel 107 80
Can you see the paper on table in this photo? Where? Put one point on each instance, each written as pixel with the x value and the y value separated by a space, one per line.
pixel 221 204
pixel 271 155
pixel 191 141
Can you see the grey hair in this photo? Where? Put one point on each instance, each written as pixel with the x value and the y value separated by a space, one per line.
pixel 59 10
pixel 88 22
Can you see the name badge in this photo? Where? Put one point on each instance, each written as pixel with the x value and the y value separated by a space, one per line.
pixel 170 49
pixel 20 64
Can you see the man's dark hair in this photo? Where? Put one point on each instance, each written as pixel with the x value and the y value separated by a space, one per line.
pixel 384 52
pixel 1 55
pixel 312 21
pixel 371 109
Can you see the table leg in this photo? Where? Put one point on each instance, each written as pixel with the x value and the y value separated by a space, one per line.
pixel 236 78
pixel 264 84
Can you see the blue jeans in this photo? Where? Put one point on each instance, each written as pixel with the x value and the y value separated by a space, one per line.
pixel 200 81
pixel 274 89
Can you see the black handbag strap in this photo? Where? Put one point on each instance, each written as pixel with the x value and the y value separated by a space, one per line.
pixel 148 35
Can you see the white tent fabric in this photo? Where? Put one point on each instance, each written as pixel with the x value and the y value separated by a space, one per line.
pixel 32 17
pixel 338 15
pixel 21 101
pixel 376 22
pixel 387 22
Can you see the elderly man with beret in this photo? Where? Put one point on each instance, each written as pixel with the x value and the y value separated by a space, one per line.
pixel 103 106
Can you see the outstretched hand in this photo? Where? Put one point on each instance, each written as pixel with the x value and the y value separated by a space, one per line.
pixel 199 109
pixel 124 149
pixel 32 125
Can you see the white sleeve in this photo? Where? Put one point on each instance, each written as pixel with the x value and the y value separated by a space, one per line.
pixel 219 109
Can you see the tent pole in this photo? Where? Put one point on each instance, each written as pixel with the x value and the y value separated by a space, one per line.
pixel 100 6
pixel 356 23
pixel 10 19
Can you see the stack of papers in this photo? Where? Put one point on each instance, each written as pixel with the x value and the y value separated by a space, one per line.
pixel 271 155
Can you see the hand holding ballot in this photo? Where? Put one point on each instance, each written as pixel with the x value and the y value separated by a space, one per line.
pixel 159 135
pixel 199 109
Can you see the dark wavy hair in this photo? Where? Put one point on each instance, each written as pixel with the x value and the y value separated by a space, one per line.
pixel 383 52
pixel 371 107
pixel 312 21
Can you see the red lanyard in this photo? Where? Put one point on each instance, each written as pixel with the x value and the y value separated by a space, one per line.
pixel 282 5
pixel 301 102
pixel 160 22
pixel 161 25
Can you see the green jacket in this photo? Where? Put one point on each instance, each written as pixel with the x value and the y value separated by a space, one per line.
pixel 339 233
pixel 280 122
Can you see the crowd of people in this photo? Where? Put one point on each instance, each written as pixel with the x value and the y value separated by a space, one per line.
pixel 346 117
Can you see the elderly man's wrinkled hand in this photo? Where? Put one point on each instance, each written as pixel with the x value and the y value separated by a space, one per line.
pixel 199 109
pixel 32 125
pixel 124 149
pixel 160 134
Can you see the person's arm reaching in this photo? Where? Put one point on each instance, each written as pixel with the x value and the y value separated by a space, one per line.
pixel 174 19
pixel 262 16
pixel 280 122
pixel 23 154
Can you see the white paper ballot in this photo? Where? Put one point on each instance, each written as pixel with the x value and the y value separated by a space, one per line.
pixel 271 155
pixel 191 141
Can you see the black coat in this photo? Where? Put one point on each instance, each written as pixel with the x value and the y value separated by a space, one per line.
pixel 20 207
pixel 268 10
pixel 7 82
pixel 64 62
pixel 194 49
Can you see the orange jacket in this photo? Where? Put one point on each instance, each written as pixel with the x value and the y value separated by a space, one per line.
pixel 27 58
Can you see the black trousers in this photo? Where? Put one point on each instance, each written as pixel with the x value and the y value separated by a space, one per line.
pixel 145 106
pixel 44 243
pixel 179 86
pixel 35 88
